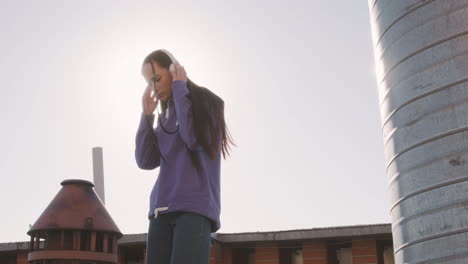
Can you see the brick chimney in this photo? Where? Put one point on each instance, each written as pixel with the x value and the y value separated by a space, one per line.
pixel 74 229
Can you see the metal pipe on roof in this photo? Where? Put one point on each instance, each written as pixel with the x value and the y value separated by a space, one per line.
pixel 98 173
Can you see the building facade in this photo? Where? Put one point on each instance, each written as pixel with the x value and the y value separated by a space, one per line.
pixel 365 244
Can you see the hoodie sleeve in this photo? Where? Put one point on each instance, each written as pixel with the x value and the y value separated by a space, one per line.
pixel 147 154
pixel 183 109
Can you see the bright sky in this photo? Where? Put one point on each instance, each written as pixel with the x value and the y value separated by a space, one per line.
pixel 297 78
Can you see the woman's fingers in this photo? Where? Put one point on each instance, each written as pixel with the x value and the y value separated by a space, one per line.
pixel 148 90
pixel 149 100
pixel 182 71
pixel 183 74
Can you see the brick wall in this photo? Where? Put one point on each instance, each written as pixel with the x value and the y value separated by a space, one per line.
pixel 364 251
pixel 226 255
pixel 314 253
pixel 216 254
pixel 267 254
pixel 120 257
pixel 22 258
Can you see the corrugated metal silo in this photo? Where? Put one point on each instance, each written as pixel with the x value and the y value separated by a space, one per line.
pixel 421 55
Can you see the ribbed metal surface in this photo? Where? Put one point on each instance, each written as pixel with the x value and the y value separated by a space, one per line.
pixel 421 54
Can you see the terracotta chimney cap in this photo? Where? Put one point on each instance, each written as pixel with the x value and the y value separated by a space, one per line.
pixel 76 181
pixel 76 207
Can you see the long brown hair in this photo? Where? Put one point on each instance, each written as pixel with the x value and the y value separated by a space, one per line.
pixel 209 124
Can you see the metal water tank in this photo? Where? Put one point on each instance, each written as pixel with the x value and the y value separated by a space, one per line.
pixel 421 56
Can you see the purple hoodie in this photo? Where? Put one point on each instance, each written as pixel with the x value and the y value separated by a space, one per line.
pixel 179 186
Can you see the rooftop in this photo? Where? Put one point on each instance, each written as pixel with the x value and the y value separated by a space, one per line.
pixel 267 236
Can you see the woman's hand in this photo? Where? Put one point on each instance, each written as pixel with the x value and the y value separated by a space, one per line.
pixel 149 102
pixel 178 73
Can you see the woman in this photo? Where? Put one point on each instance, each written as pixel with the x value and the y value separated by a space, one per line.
pixel 186 145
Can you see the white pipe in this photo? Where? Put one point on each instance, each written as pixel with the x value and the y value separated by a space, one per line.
pixel 98 173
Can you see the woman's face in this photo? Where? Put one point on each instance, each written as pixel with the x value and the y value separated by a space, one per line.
pixel 160 80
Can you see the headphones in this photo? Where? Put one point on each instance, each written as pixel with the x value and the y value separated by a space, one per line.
pixel 173 60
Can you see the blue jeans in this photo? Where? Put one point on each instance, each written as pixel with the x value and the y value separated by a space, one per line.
pixel 178 238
